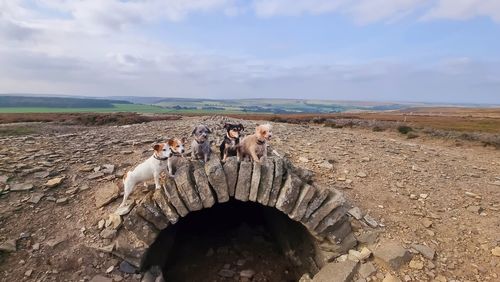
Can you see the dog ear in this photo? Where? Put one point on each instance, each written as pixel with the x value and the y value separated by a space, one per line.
pixel 208 129
pixel 171 142
pixel 184 140
pixel 156 147
pixel 226 125
pixel 241 126
pixel 194 131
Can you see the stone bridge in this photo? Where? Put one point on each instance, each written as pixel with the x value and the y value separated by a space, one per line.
pixel 274 182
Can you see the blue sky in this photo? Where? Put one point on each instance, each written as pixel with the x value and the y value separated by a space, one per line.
pixel 376 50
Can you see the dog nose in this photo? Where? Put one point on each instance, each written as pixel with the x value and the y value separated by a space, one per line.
pixel 182 151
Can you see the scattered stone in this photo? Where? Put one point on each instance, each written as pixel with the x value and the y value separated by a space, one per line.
pixel 9 246
pixel 426 222
pixel 392 254
pixel 106 194
pixel 35 247
pixel 366 269
pixel 356 213
pixel 110 269
pixel 228 273
pixel 108 233
pixel 416 264
pixel 35 198
pixel 303 160
pixel 370 221
pixel 390 278
pixel 368 237
pixel 100 278
pixel 473 195
pixel 475 209
pixel 28 272
pixel 3 179
pixel 126 267
pixel 365 253
pixel 424 250
pixel 496 251
pixel 354 255
pixel 56 241
pixel 100 224
pixel 247 273
pixel 337 272
pixel 51 183
pixel 424 196
pixel 361 174
pixel 365 159
pixel 62 201
pixel 95 175
pixel 416 168
pixel 326 165
pixel 18 187
pixel 108 169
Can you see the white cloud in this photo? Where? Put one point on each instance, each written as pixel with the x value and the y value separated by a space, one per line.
pixel 464 9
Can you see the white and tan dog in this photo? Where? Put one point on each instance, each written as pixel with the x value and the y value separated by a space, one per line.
pixel 177 147
pixel 255 145
pixel 149 169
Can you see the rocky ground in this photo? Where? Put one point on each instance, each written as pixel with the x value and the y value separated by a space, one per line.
pixel 440 202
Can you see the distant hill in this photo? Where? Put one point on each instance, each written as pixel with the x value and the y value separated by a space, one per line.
pixel 56 102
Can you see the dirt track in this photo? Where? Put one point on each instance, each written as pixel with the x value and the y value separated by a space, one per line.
pixel 404 184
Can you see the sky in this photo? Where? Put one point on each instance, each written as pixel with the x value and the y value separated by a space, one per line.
pixel 444 51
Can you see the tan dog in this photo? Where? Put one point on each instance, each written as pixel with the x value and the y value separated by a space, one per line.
pixel 177 147
pixel 255 145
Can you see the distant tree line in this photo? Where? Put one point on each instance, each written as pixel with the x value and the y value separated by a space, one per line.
pixel 57 102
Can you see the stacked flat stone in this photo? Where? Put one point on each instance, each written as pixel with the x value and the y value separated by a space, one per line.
pixel 274 182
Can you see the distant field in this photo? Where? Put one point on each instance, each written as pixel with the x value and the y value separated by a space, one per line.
pixel 115 108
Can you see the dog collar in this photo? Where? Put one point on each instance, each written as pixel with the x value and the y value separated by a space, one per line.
pixel 160 159
pixel 261 142
pixel 199 143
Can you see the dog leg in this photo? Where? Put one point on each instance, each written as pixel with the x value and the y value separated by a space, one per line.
pixel 169 167
pixel 156 176
pixel 255 157
pixel 127 189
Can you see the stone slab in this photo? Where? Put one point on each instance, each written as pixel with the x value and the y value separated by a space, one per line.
pixel 242 192
pixel 254 183
pixel 187 191
pixel 266 181
pixel 231 171
pixel 217 179
pixel 279 171
pixel 289 193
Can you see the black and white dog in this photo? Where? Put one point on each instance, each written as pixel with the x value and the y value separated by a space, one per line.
pixel 231 140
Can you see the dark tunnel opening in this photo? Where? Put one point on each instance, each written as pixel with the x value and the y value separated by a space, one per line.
pixel 230 241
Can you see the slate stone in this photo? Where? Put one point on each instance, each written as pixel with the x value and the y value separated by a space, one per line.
pixel 331 219
pixel 142 229
pixel 168 210
pixel 203 186
pixel 217 179
pixel 148 210
pixel 254 183
pixel 266 181
pixel 318 199
pixel 106 194
pixel 305 196
pixel 170 189
pixel 289 193
pixel 337 272
pixel 392 254
pixel 231 171
pixel 279 171
pixel 242 192
pixel 187 191
pixel 333 201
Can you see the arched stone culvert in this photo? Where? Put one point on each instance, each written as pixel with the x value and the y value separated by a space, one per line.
pixel 274 183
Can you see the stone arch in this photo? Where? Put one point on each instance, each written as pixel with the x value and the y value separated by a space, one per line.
pixel 274 182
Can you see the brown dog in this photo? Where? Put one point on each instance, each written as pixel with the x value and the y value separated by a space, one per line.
pixel 255 145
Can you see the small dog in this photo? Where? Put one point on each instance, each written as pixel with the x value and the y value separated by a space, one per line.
pixel 200 147
pixel 255 145
pixel 177 148
pixel 150 168
pixel 231 140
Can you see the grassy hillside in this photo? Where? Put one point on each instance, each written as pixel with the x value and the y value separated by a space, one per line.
pixel 55 102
